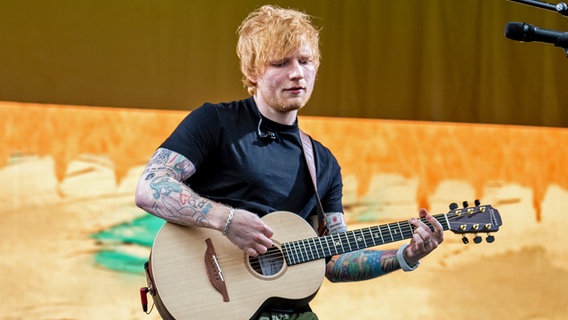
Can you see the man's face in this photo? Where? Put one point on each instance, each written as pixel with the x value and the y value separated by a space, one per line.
pixel 287 84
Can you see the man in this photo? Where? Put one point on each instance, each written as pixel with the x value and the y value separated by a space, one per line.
pixel 226 165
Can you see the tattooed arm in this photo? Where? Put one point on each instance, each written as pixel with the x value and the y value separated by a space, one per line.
pixel 357 265
pixel 361 265
pixel 161 192
pixel 368 264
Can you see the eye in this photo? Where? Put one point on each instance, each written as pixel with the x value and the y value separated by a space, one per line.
pixel 278 64
pixel 305 60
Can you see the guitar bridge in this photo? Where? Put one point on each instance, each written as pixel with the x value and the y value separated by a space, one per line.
pixel 214 270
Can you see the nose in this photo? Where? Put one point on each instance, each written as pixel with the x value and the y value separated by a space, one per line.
pixel 296 72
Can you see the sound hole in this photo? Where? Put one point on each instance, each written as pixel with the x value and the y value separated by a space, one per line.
pixel 268 264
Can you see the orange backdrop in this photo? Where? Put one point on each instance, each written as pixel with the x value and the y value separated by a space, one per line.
pixel 69 172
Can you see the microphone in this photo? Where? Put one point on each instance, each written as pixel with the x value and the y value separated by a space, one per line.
pixel 267 136
pixel 525 32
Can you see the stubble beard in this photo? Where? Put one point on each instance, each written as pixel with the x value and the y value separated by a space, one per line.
pixel 286 107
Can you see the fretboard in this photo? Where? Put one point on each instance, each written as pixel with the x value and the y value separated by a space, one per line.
pixel 300 251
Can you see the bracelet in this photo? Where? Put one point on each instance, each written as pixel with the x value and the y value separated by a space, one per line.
pixel 403 264
pixel 229 220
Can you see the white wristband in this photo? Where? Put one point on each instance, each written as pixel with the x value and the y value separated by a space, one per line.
pixel 403 264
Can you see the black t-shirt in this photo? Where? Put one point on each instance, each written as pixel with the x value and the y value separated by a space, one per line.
pixel 235 167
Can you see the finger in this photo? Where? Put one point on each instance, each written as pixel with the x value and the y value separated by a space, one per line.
pixel 438 229
pixel 422 233
pixel 251 252
pixel 435 224
pixel 419 236
pixel 263 241
pixel 419 225
pixel 418 240
pixel 268 231
pixel 261 249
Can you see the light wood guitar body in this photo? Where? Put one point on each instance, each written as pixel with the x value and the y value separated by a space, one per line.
pixel 181 278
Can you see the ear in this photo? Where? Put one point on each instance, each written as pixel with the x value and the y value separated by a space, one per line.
pixel 253 81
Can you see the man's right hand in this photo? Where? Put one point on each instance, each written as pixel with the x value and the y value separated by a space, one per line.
pixel 248 232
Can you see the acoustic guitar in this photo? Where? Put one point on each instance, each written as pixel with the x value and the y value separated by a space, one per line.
pixel 196 273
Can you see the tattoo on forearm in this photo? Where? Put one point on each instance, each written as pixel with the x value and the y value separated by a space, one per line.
pixel 363 265
pixel 164 186
pixel 172 200
pixel 389 262
pixel 357 265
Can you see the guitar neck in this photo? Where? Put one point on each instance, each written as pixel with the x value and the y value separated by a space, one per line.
pixel 305 250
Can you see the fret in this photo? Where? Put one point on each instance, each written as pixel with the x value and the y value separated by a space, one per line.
pixel 372 236
pixel 401 233
pixel 369 235
pixel 292 253
pixel 344 240
pixel 381 234
pixel 390 232
pixel 304 251
pixel 310 250
pixel 355 239
pixel 299 251
pixel 348 242
pixel 327 244
pixel 314 249
pixel 286 253
pixel 336 243
pixel 321 246
pixel 408 233
pixel 397 235
pixel 296 251
pixel 363 238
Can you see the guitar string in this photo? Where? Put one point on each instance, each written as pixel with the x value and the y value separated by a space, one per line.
pixel 353 240
pixel 303 247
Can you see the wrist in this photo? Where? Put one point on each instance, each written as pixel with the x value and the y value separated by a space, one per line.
pixel 229 220
pixel 402 260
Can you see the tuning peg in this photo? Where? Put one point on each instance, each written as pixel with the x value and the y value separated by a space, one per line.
pixel 453 206
pixel 465 240
pixel 477 239
pixel 477 202
pixel 465 204
pixel 490 238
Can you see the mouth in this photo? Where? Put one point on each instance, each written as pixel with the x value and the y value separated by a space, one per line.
pixel 297 89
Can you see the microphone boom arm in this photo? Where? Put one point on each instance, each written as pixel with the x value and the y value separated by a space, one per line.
pixel 561 7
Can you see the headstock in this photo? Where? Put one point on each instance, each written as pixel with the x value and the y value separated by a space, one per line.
pixel 476 219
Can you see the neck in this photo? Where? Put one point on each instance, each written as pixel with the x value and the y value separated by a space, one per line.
pixel 287 117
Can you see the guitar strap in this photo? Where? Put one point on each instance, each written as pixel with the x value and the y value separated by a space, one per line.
pixel 308 147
